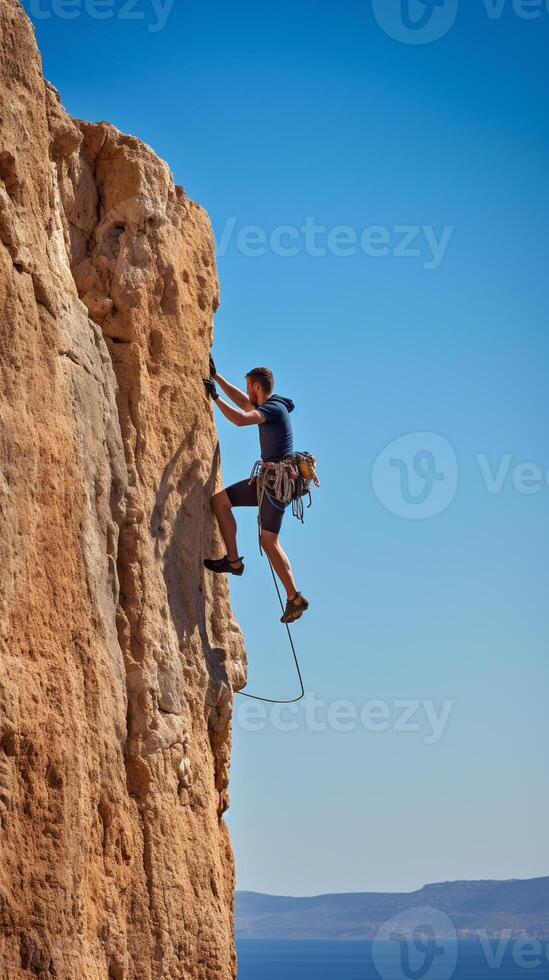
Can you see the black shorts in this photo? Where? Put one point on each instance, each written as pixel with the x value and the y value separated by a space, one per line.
pixel 244 494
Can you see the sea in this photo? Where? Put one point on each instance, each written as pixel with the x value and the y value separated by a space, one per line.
pixel 504 959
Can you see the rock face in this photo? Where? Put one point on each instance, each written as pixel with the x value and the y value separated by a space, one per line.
pixel 117 655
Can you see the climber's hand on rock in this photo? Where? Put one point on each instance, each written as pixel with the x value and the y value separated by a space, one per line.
pixel 210 388
pixel 213 372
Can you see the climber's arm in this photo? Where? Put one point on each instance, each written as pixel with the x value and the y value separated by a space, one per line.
pixel 237 396
pixel 235 415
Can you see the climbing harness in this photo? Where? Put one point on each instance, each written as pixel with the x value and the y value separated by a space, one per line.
pixel 286 480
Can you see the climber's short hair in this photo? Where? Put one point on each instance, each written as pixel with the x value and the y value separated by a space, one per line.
pixel 265 377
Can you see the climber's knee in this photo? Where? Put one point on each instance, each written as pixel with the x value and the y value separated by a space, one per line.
pixel 269 539
pixel 220 500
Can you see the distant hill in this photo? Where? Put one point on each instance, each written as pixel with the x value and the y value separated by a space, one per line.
pixel 521 907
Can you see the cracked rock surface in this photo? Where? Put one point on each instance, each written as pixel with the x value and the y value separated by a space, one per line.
pixel 117 656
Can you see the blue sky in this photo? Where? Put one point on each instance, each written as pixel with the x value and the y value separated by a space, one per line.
pixel 303 112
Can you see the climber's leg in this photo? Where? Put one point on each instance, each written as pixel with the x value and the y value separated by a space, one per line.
pixel 222 508
pixel 279 561
pixel 241 494
pixel 271 520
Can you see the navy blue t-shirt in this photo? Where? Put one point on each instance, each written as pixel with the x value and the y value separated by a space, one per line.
pixel 275 434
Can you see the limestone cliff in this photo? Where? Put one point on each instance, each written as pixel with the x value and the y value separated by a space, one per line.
pixel 117 655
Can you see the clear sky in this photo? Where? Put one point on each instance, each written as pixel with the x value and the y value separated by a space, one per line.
pixel 428 616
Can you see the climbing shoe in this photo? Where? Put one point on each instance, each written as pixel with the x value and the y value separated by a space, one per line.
pixel 224 565
pixel 294 610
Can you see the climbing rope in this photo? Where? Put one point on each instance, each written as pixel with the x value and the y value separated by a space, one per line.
pixel 256 697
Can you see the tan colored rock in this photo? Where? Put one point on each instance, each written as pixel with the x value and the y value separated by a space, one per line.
pixel 117 656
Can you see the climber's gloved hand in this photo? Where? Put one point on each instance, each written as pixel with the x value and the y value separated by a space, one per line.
pixel 211 390
pixel 213 371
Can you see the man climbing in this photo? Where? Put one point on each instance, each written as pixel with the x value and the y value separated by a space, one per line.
pixel 257 406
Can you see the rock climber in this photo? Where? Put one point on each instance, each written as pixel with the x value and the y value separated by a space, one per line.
pixel 259 405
